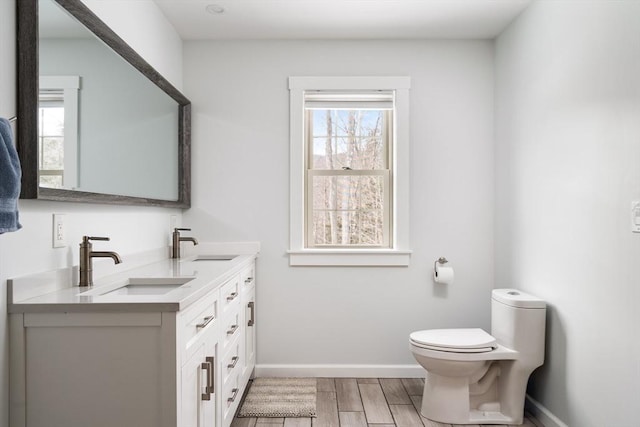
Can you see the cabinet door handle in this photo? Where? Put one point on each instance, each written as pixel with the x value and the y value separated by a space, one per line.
pixel 232 296
pixel 252 306
pixel 234 362
pixel 211 385
pixel 208 367
pixel 248 280
pixel 233 396
pixel 205 322
pixel 232 330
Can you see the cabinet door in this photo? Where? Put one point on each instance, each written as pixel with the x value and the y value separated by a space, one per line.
pixel 211 356
pixel 197 396
pixel 250 334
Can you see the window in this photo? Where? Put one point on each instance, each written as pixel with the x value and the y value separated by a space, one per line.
pixel 51 138
pixel 349 137
pixel 58 131
pixel 349 171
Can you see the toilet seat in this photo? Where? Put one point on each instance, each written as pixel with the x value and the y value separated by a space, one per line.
pixel 472 340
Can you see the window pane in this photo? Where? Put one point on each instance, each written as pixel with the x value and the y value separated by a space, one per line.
pixel 348 139
pixel 52 121
pixel 348 210
pixel 52 153
pixel 51 181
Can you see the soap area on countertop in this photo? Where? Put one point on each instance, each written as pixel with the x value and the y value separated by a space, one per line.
pixel 167 285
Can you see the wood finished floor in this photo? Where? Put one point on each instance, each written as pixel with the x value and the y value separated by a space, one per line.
pixel 365 402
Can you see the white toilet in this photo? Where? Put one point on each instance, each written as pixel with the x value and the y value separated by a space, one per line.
pixel 477 378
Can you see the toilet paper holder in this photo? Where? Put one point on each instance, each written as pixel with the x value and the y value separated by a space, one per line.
pixel 441 273
pixel 442 260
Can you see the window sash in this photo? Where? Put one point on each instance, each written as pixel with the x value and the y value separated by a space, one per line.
pixel 387 137
pixel 386 214
pixel 55 100
pixel 62 91
pixel 51 172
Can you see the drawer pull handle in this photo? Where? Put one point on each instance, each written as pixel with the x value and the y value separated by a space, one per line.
pixel 206 321
pixel 248 280
pixel 233 396
pixel 234 362
pixel 211 387
pixel 233 329
pixel 232 296
pixel 252 306
pixel 207 393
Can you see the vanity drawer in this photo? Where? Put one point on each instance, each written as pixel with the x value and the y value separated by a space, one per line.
pixel 231 329
pixel 248 278
pixel 231 396
pixel 229 295
pixel 232 361
pixel 198 319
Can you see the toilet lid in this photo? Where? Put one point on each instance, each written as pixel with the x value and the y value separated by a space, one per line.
pixel 455 340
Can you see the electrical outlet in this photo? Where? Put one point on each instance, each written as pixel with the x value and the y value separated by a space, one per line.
pixel 59 232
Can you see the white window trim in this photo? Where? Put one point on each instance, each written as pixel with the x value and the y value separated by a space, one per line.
pixel 70 86
pixel 399 254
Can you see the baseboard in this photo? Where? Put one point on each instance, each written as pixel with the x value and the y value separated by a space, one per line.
pixel 542 414
pixel 341 371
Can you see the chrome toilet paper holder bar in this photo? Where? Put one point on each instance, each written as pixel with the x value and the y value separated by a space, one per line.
pixel 442 260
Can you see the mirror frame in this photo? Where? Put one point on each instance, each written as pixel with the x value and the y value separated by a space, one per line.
pixel 27 108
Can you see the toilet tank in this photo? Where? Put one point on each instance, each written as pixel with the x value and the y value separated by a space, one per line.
pixel 518 322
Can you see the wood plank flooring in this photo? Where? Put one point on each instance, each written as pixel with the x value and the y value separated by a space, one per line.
pixel 365 402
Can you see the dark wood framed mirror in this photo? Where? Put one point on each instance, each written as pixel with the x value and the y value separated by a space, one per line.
pixel 139 146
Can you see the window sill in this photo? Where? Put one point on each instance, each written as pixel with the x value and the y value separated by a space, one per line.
pixel 349 257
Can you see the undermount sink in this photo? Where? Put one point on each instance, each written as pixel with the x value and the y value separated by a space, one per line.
pixel 215 257
pixel 140 286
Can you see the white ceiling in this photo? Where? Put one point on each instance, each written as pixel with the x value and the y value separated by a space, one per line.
pixel 341 19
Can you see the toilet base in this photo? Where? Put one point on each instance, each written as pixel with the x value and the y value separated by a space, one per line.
pixel 446 400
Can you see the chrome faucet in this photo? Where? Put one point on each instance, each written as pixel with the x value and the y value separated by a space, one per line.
pixel 175 249
pixel 86 259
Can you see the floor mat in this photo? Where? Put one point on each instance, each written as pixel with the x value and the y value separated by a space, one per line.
pixel 280 397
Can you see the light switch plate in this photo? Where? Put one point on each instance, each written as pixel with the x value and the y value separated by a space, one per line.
pixel 59 231
pixel 635 216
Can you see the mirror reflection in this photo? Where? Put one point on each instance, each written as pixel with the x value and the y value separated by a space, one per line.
pixel 103 127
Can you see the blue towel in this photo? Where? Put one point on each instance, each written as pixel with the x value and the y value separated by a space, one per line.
pixel 10 174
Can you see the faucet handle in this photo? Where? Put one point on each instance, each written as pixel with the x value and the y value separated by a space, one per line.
pixel 95 238
pixel 181 229
pixel 85 239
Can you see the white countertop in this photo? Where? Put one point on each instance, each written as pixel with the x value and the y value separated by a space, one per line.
pixel 204 277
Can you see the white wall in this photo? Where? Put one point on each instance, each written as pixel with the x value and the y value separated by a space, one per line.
pixel 568 166
pixel 132 229
pixel 240 159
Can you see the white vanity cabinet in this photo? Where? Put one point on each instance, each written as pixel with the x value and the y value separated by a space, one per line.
pixel 199 337
pixel 142 368
pixel 238 360
pixel 231 347
pixel 198 406
pixel 248 281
